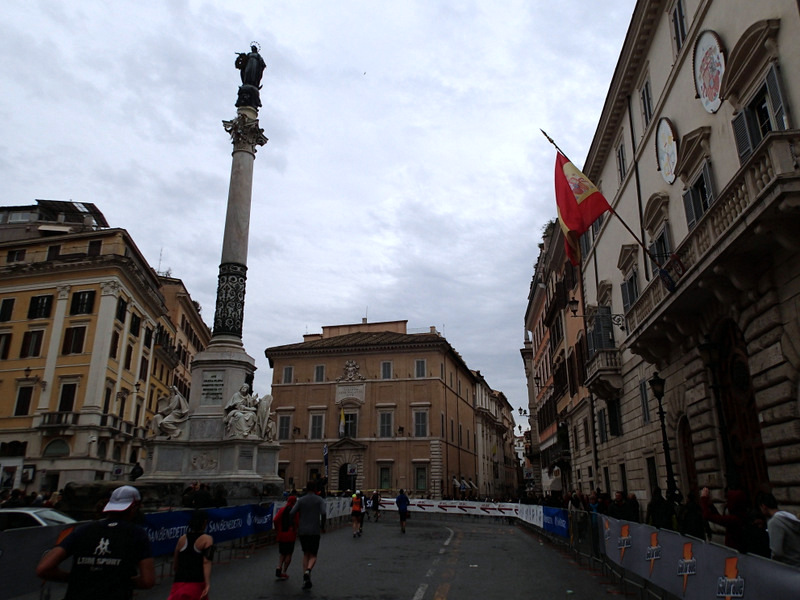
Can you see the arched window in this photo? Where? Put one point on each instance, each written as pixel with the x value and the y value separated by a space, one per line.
pixel 56 448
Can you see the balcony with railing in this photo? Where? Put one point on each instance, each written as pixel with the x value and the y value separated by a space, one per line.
pixel 59 419
pixel 604 373
pixel 718 258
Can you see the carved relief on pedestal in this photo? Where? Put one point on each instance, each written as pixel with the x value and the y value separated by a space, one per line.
pixel 203 461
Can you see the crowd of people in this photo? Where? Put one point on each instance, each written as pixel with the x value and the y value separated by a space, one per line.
pixel 112 554
pixel 762 529
pixel 17 498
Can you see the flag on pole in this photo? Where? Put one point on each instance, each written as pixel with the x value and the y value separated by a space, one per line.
pixel 341 422
pixel 579 203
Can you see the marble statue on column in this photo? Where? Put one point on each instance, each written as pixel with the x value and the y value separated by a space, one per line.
pixel 172 412
pixel 241 414
pixel 263 420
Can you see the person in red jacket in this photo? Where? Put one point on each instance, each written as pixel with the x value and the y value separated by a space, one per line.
pixel 733 520
pixel 286 530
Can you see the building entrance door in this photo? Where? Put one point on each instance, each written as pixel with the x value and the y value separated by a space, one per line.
pixel 748 468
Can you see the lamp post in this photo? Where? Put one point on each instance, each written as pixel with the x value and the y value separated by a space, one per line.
pixel 657 386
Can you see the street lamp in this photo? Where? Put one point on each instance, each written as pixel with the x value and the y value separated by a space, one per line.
pixel 618 320
pixel 657 386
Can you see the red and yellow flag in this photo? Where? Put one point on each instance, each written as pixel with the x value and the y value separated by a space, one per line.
pixel 579 203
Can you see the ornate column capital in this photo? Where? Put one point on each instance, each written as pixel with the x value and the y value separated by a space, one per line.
pixel 245 133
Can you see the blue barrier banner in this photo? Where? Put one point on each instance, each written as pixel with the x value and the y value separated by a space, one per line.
pixel 224 524
pixel 555 521
pixel 164 529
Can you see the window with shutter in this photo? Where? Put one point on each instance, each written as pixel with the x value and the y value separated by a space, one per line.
pixel 699 197
pixel 764 113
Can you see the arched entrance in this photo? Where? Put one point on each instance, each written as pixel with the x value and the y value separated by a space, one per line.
pixel 347 477
pixel 746 463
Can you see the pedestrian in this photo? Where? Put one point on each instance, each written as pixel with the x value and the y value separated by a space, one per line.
pixel 362 512
pixel 402 502
pixel 618 508
pixel 784 531
pixel 192 560
pixel 632 508
pixel 111 556
pixel 136 472
pixel 202 497
pixel 376 505
pixel 310 527
pixel 660 512
pixel 286 535
pixel 355 514
pixel 690 517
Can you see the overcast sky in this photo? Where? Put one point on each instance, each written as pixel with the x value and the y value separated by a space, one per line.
pixel 405 175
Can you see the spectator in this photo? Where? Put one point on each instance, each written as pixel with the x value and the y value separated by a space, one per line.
pixel 784 531
pixel 632 508
pixel 660 512
pixel 733 520
pixel 15 500
pixel 618 508
pixel 136 472
pixel 202 497
pixel 690 518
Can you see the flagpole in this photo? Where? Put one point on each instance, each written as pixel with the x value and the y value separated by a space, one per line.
pixel 613 212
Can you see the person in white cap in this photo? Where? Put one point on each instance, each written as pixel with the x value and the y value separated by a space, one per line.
pixel 112 556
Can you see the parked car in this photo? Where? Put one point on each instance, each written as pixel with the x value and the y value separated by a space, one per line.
pixel 32 516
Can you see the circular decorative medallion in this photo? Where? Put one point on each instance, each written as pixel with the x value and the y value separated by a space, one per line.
pixel 709 67
pixel 666 149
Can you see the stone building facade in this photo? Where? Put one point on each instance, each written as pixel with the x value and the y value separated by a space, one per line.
pixel 87 345
pixel 385 408
pixel 697 151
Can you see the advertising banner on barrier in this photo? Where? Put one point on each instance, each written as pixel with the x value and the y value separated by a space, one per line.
pixel 556 521
pixel 533 514
pixel 457 507
pixel 224 524
pixel 690 568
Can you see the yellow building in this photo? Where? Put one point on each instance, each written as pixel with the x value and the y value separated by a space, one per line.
pixel 83 326
pixel 394 410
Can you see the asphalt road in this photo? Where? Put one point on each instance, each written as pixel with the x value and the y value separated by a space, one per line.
pixel 464 559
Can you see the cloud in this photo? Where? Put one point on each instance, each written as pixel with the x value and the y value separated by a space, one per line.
pixel 405 176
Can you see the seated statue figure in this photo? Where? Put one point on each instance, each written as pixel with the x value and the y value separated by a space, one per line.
pixel 241 418
pixel 172 412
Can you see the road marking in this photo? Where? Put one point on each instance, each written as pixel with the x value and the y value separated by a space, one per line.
pixel 420 591
pixel 450 537
pixel 424 586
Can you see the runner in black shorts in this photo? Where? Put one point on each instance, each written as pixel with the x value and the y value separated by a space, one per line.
pixel 312 510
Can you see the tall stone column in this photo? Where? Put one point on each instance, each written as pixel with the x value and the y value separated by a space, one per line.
pixel 245 466
pixel 229 314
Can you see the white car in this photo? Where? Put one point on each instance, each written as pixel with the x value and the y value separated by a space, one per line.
pixel 32 516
